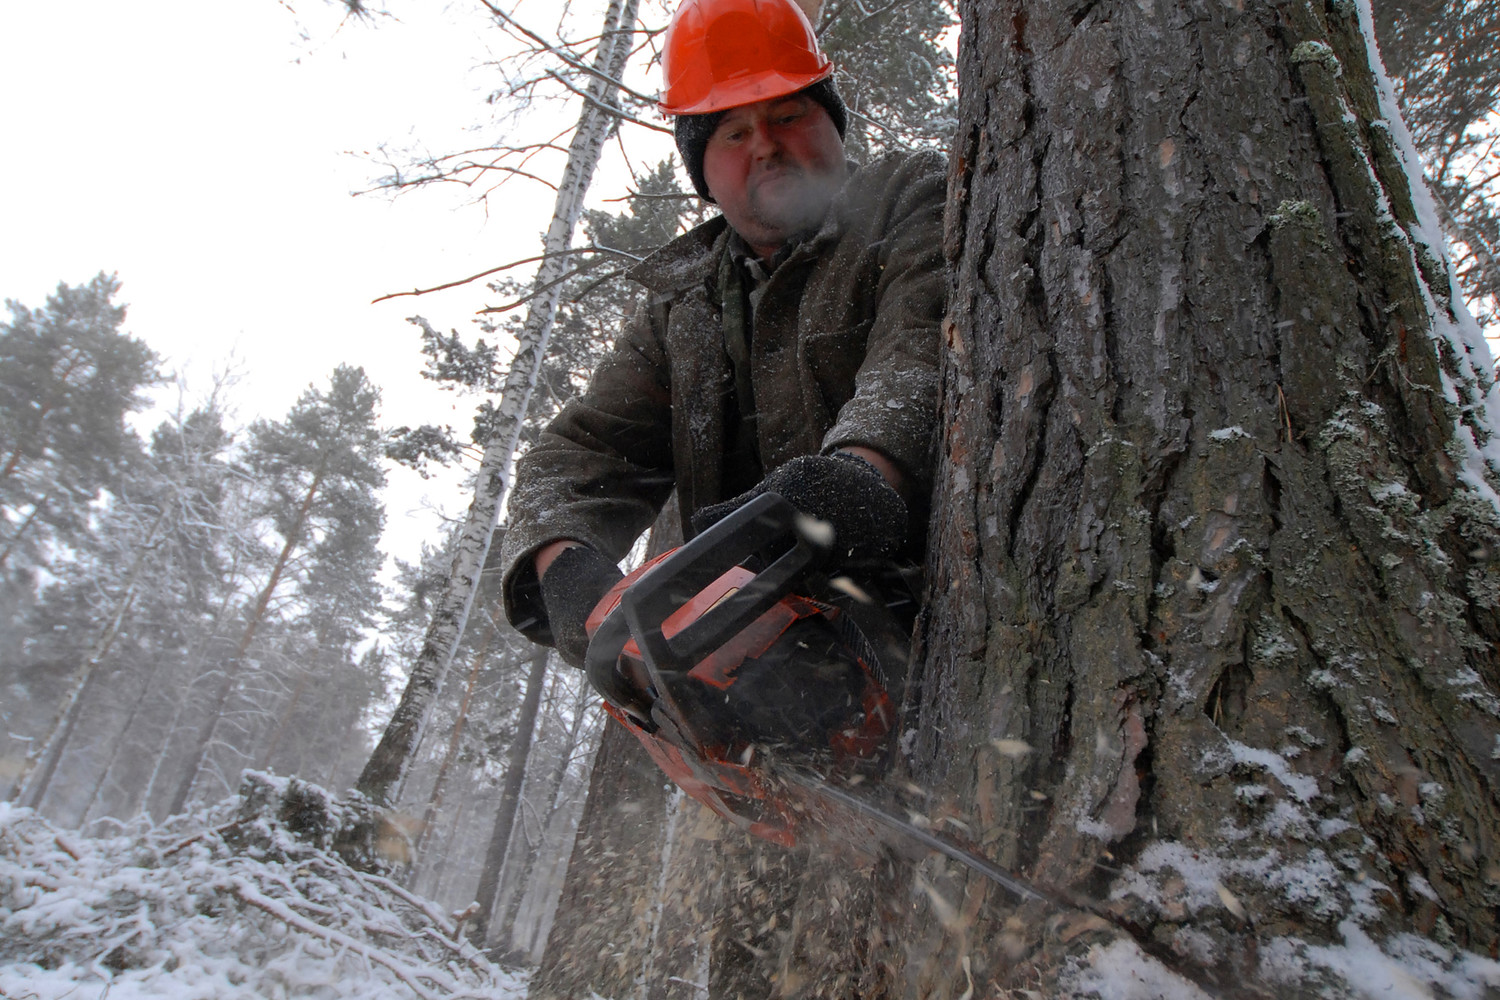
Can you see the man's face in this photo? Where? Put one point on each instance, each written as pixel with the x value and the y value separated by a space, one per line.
pixel 774 167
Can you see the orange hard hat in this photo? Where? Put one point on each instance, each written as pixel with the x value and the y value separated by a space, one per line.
pixel 724 53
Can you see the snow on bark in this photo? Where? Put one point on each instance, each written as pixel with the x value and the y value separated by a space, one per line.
pixel 1468 377
pixel 386 770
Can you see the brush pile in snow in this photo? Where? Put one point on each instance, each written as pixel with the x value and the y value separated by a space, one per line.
pixel 223 905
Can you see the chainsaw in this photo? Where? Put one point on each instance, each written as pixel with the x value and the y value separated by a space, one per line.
pixel 710 657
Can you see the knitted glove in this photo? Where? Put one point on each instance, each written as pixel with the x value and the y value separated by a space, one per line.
pixel 866 513
pixel 576 581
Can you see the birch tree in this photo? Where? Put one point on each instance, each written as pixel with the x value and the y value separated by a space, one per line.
pixel 383 774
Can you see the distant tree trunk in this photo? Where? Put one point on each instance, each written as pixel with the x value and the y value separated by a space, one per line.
pixel 230 669
pixel 436 878
pixel 307 673
pixel 383 774
pixel 455 740
pixel 112 756
pixel 1218 539
pixel 550 790
pixel 595 943
pixel 544 890
pixel 510 797
pixel 196 656
pixel 31 787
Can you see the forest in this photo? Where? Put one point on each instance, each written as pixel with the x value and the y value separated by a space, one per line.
pixel 243 756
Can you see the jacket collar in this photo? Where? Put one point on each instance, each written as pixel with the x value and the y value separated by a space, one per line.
pixel 692 258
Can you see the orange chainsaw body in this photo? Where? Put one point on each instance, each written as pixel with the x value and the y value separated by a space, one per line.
pixel 678 702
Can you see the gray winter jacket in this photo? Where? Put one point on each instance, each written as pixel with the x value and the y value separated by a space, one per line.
pixel 843 352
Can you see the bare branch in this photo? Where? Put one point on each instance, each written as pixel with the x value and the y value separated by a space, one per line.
pixel 608 109
pixel 608 251
pixel 566 57
pixel 584 269
pixel 642 196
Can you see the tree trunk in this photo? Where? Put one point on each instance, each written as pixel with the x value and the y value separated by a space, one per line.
pixel 544 893
pixel 549 792
pixel 231 667
pixel 1219 536
pixel 510 797
pixel 387 767
pixel 1213 610
pixel 596 936
pixel 31 787
pixel 455 740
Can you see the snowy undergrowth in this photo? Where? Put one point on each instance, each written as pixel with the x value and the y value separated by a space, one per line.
pixel 221 907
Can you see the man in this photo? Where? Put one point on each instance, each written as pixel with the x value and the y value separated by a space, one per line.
pixel 789 345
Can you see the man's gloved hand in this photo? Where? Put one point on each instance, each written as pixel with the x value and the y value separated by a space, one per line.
pixel 575 582
pixel 868 516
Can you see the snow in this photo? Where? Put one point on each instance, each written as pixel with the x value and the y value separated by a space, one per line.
pixel 1400 967
pixel 1121 971
pixel 1479 396
pixel 1302 787
pixel 217 907
pixel 1407 968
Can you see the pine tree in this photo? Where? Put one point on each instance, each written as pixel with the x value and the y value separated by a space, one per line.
pixel 382 777
pixel 316 475
pixel 893 71
pixel 133 592
pixel 68 377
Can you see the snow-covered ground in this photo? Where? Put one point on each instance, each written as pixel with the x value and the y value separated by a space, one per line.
pixel 217 906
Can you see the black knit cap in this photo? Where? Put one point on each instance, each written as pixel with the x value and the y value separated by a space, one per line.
pixel 693 131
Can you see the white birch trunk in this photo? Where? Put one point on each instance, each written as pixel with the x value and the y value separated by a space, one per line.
pixel 383 776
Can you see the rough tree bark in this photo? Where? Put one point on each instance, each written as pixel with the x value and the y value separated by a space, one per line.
pixel 382 776
pixel 1219 539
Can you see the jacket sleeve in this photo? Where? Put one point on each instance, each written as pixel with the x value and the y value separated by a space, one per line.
pixel 598 474
pixel 894 406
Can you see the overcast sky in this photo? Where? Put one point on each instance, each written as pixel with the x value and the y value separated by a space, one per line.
pixel 207 151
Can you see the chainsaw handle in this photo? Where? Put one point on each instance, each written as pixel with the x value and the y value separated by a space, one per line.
pixel 746 532
pixel 601 663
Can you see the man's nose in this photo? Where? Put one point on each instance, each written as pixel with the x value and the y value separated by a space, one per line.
pixel 763 141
